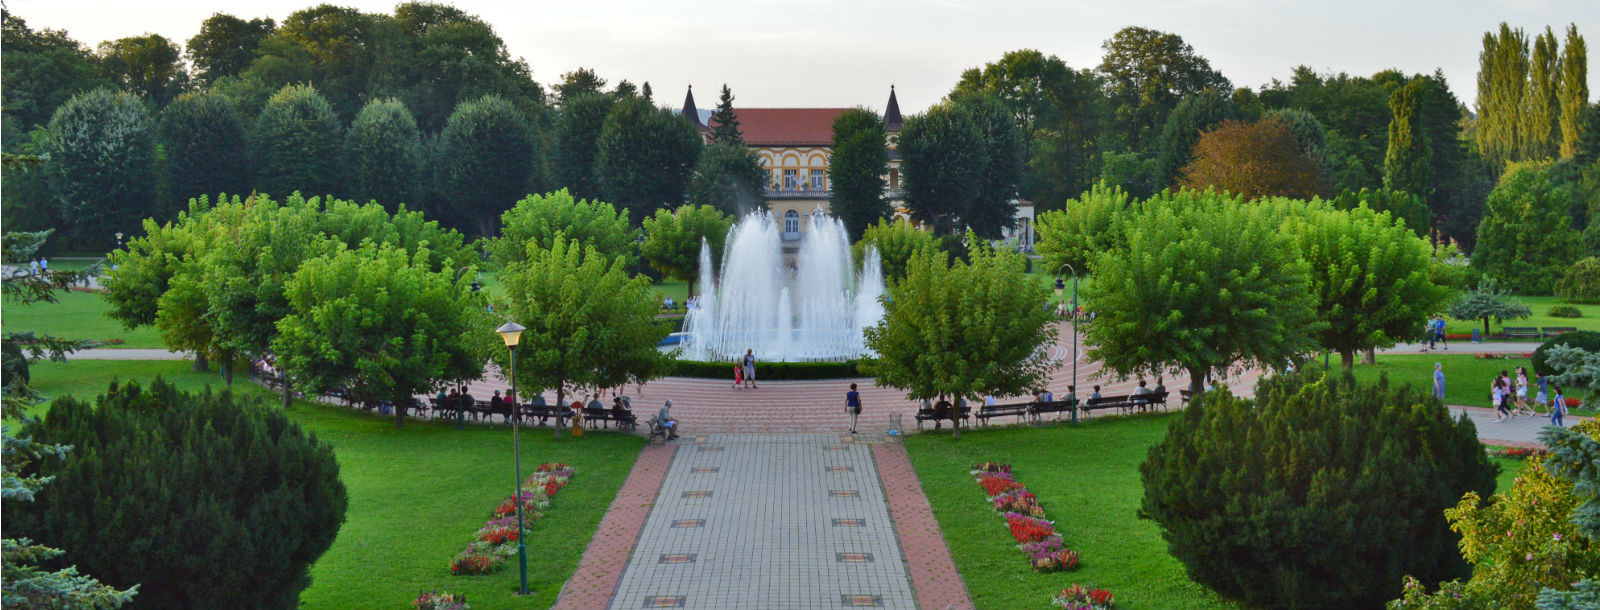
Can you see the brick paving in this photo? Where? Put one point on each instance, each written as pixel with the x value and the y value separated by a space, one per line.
pixel 602 563
pixel 933 572
pixel 1515 432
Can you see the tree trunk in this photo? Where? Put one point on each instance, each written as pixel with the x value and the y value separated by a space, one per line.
pixel 1197 380
pixel 200 364
pixel 1347 359
pixel 227 371
pixel 1369 356
pixel 284 375
pixel 561 403
pixel 690 293
pixel 399 413
pixel 1486 328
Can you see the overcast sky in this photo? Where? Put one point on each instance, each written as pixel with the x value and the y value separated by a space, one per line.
pixel 847 53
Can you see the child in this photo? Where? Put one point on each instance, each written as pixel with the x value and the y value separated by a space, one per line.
pixel 738 375
pixel 1558 409
pixel 1498 397
pixel 1542 399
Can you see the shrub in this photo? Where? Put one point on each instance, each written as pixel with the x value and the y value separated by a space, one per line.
pixel 768 371
pixel 1318 493
pixel 204 500
pixel 1564 311
pixel 1581 283
pixel 1587 340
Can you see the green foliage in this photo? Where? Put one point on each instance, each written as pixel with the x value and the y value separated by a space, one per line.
pixel 1573 92
pixel 578 141
pixel 1131 171
pixel 29 586
pixel 856 171
pixel 728 177
pixel 589 325
pixel 149 66
pixel 1400 205
pixel 1539 128
pixel 1145 73
pixel 897 242
pixel 1486 301
pixel 205 145
pixel 579 82
pixel 539 219
pixel 1526 240
pixel 1086 227
pixel 1564 311
pixel 944 165
pixel 41 70
pixel 226 502
pixel 647 156
pixel 490 150
pixel 1407 164
pixel 1581 283
pixel 225 45
pixel 1585 595
pixel 1204 283
pixel 1191 117
pixel 1318 493
pixel 384 152
pixel 673 238
pixel 1587 342
pixel 1369 276
pixel 102 151
pixel 770 371
pixel 991 213
pixel 1502 76
pixel 724 121
pixel 379 324
pixel 963 329
pixel 296 143
pixel 1260 159
pixel 1307 130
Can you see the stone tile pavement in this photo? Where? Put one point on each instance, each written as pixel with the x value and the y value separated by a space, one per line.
pixel 607 554
pixel 1515 432
pixel 933 572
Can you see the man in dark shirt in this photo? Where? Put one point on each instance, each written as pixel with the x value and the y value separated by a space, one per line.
pixel 852 405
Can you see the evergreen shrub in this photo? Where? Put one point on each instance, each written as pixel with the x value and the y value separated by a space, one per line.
pixel 203 500
pixel 1321 492
pixel 1564 311
pixel 1581 283
pixel 1587 340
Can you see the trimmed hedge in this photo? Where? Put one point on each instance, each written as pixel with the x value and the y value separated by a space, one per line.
pixel 1586 339
pixel 1581 282
pixel 769 371
pixel 1564 311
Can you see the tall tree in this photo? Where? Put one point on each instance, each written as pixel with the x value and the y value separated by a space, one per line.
pixel 1526 240
pixel 647 156
pixel 1191 117
pixel 1085 227
pixel 1146 73
pixel 724 121
pixel 1407 165
pixel 1540 129
pixel 205 145
pixel 443 57
pixel 577 143
pixel 41 70
pixel 102 164
pixel 385 155
pixel 296 143
pixel 149 66
pixel 491 150
pixel 856 170
pixel 537 221
pixel 944 163
pixel 728 177
pixel 226 45
pixel 992 211
pixel 1354 111
pixel 1573 94
pixel 582 81
pixel 674 237
pixel 1259 159
pixel 1400 205
pixel 330 46
pixel 1502 76
pixel 897 242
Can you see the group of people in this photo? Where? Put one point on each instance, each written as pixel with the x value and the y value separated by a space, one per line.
pixel 744 371
pixel 1509 395
pixel 621 405
pixel 1434 330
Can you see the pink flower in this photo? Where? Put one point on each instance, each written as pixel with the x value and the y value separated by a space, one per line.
pixel 1558 535
pixel 1530 556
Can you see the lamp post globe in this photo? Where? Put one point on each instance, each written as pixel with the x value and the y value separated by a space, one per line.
pixel 511 333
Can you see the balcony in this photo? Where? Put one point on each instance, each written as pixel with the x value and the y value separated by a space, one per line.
pixel 801 192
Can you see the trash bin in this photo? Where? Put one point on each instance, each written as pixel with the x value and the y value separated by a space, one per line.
pixel 894 424
pixel 1476 338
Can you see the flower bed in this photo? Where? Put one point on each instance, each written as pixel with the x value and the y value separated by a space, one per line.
pixel 1519 453
pixel 497 539
pixel 439 600
pixel 1036 537
pixel 1503 356
pixel 1079 597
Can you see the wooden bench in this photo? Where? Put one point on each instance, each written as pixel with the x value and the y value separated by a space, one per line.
pixel 1521 332
pixel 934 416
pixel 1551 331
pixel 1019 410
pixel 1145 401
pixel 1054 406
pixel 625 421
pixel 1123 403
pixel 1183 398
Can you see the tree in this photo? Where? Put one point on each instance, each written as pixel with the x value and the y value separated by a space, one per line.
pixel 1131 172
pixel 728 177
pixel 1581 282
pixel 102 164
pixel 445 56
pixel 588 323
pixel 1526 240
pixel 673 238
pixel 226 45
pixel 1204 284
pixel 646 158
pixel 963 330
pixel 724 121
pixel 1369 278
pixel 296 140
pixel 1400 205
pixel 381 325
pixel 1145 74
pixel 1087 226
pixel 1502 76
pixel 1540 129
pixel 582 81
pixel 385 154
pixel 943 166
pixel 1260 159
pixel 1318 493
pixel 1488 300
pixel 1406 165
pixel 577 143
pixel 233 501
pixel 1191 117
pixel 148 66
pixel 205 145
pixel 1573 93
pixel 491 150
pixel 856 170
pixel 327 45
pixel 1355 113
pixel 41 70
pixel 992 213
pixel 542 220
pixel 897 243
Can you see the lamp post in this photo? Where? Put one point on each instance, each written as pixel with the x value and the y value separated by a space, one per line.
pixel 1060 287
pixel 511 332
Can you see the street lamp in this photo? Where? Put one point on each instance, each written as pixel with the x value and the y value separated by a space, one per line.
pixel 511 332
pixel 119 241
pixel 1061 286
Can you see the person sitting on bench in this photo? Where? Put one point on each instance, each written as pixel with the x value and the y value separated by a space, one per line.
pixel 1141 396
pixel 671 425
pixel 941 410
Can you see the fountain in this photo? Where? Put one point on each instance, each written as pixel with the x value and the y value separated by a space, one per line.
pixel 814 309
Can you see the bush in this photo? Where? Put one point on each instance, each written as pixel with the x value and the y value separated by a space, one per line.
pixel 1581 283
pixel 1564 311
pixel 1318 493
pixel 204 501
pixel 1588 340
pixel 768 371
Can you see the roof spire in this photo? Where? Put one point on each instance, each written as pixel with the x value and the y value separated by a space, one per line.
pixel 891 115
pixel 689 111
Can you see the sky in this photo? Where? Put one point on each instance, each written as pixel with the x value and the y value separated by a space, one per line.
pixel 831 53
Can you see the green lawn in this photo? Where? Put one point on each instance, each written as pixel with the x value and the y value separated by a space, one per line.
pixel 79 315
pixel 417 496
pixel 1467 378
pixel 1540 306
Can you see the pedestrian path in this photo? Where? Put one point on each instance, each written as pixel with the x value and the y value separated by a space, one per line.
pixel 1514 432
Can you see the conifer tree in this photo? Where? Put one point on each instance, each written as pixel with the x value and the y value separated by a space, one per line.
pixel 1574 92
pixel 856 170
pixel 1502 75
pixel 1406 165
pixel 1539 106
pixel 724 123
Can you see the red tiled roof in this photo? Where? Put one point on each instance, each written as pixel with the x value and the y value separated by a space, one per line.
pixel 787 126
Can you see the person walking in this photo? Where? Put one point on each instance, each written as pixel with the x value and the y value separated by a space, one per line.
pixel 750 369
pixel 1438 380
pixel 1522 392
pixel 1542 399
pixel 1438 333
pixel 1558 409
pixel 1497 396
pixel 1505 382
pixel 738 375
pixel 852 405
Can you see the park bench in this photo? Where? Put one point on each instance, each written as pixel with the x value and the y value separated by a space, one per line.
pixel 933 415
pixel 1054 406
pixel 625 421
pixel 545 412
pixel 1183 398
pixel 1551 331
pixel 1521 332
pixel 1123 403
pixel 1019 410
pixel 1152 399
pixel 656 429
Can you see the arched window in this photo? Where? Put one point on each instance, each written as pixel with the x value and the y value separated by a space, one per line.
pixel 791 222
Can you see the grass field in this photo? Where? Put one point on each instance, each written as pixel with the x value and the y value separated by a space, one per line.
pixel 1540 307
pixel 418 495
pixel 79 315
pixel 1087 479
pixel 1467 378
